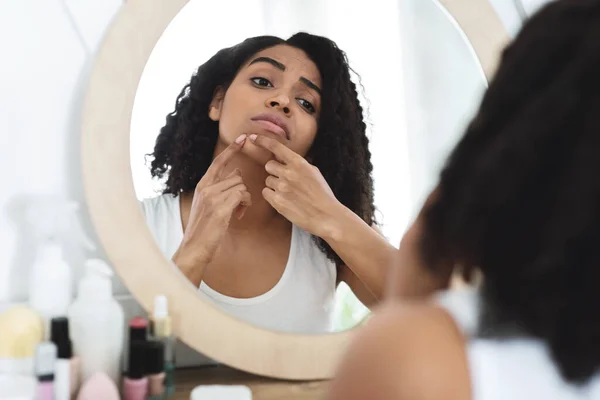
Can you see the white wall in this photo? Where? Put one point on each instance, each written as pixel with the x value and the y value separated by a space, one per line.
pixel 443 83
pixel 47 50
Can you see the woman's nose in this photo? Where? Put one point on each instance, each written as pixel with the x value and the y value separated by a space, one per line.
pixel 281 102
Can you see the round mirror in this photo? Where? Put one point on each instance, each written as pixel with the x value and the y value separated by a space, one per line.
pixel 174 86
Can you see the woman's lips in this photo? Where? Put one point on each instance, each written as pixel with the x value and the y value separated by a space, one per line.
pixel 271 127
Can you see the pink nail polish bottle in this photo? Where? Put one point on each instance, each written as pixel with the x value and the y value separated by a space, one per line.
pixel 45 360
pixel 138 332
pixel 135 384
pixel 155 368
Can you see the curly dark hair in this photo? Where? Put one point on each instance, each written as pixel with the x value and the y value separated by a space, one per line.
pixel 519 197
pixel 185 146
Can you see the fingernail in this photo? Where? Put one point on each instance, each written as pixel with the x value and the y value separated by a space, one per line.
pixel 253 137
pixel 240 139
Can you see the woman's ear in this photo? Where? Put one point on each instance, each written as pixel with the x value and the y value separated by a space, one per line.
pixel 216 105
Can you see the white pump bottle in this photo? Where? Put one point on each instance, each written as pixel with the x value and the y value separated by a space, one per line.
pixel 97 323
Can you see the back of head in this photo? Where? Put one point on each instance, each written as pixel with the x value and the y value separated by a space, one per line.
pixel 519 198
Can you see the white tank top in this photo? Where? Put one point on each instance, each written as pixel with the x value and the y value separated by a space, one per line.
pixel 515 369
pixel 301 302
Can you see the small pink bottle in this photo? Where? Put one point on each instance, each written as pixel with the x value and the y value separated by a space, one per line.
pixel 135 383
pixel 155 370
pixel 45 360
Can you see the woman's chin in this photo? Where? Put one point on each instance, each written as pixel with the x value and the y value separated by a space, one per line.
pixel 258 154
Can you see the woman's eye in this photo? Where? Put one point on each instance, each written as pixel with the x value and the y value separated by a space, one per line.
pixel 307 106
pixel 261 82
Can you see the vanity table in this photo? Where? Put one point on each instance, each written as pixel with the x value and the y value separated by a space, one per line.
pixel 262 388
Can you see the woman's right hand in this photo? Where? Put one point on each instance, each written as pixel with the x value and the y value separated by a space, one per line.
pixel 215 200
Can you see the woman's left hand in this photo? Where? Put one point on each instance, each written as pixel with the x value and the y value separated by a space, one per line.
pixel 298 190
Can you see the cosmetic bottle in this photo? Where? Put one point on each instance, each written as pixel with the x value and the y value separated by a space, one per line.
pixel 138 329
pixel 45 362
pixel 97 323
pixel 161 331
pixel 99 387
pixel 138 332
pixel 66 380
pixel 21 330
pixel 54 221
pixel 135 384
pixel 155 370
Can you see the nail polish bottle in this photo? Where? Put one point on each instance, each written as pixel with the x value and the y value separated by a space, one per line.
pixel 155 370
pixel 161 331
pixel 138 332
pixel 66 381
pixel 138 329
pixel 135 384
pixel 45 360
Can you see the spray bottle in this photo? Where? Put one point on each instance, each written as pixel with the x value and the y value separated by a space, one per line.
pixel 51 280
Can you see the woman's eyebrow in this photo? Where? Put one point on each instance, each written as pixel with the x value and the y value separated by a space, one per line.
pixel 281 67
pixel 269 60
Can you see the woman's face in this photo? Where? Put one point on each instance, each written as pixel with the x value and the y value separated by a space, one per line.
pixel 276 93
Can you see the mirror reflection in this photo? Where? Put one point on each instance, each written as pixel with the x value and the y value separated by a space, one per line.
pixel 254 157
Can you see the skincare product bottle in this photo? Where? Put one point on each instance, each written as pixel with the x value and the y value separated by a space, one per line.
pixel 99 387
pixel 67 366
pixel 138 332
pixel 21 330
pixel 45 363
pixel 135 384
pixel 161 331
pixel 50 280
pixel 155 370
pixel 97 323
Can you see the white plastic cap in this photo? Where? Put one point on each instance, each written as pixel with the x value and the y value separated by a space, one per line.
pixel 97 280
pixel 221 392
pixel 161 307
pixel 45 358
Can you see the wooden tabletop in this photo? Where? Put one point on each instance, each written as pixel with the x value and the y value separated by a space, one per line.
pixel 262 388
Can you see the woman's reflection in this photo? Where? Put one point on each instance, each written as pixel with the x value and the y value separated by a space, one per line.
pixel 268 203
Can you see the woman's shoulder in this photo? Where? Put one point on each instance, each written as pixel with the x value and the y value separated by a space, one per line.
pixel 159 203
pixel 160 209
pixel 422 349
pixel 463 304
pixel 308 251
pixel 163 218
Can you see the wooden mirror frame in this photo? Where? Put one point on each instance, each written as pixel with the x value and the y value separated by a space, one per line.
pixel 120 224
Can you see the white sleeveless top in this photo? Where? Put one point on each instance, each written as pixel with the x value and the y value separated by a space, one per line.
pixel 515 369
pixel 301 302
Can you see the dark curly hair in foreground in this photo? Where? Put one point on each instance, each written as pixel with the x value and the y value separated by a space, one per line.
pixel 519 197
pixel 185 146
